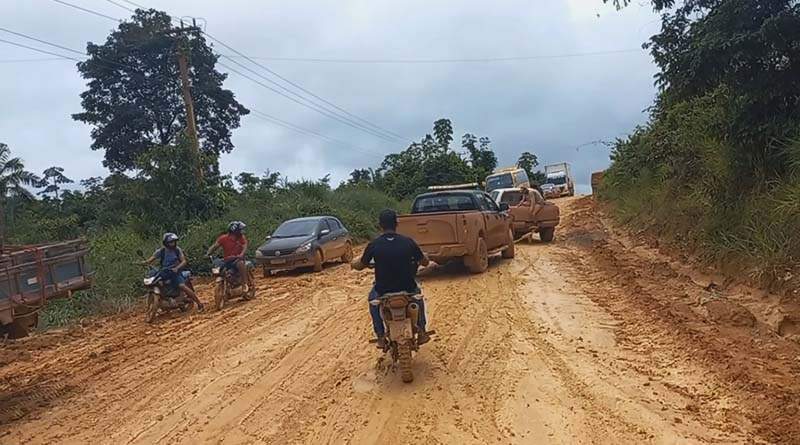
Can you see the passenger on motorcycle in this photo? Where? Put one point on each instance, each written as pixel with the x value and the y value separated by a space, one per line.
pixel 171 260
pixel 234 247
pixel 396 260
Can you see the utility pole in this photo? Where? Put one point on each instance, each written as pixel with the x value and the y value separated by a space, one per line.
pixel 191 123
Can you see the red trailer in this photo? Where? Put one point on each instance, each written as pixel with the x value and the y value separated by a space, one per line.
pixel 32 275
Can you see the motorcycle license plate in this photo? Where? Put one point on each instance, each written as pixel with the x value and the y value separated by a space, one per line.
pixel 278 262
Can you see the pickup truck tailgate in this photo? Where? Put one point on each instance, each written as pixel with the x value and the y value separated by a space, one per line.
pixel 430 228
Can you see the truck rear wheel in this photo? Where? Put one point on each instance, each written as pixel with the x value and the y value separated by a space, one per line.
pixel 478 262
pixel 508 253
pixel 546 235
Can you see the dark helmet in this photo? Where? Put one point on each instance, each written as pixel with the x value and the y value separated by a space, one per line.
pixel 236 227
pixel 169 237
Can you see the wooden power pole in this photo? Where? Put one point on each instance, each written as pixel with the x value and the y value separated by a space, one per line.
pixel 191 123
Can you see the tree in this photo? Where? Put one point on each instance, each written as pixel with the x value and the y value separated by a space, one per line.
pixel 528 161
pixel 52 180
pixel 361 176
pixel 134 100
pixel 443 131
pixel 482 157
pixel 13 180
pixel 167 195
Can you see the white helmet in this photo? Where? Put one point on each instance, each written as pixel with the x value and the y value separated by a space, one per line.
pixel 168 238
pixel 236 226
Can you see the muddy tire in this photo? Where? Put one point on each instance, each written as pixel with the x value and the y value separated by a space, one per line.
pixel 14 330
pixel 509 252
pixel 404 361
pixel 348 253
pixel 546 235
pixel 318 261
pixel 251 287
pixel 219 296
pixel 479 261
pixel 266 272
pixel 152 308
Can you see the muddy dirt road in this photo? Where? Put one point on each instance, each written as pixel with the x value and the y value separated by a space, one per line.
pixel 595 338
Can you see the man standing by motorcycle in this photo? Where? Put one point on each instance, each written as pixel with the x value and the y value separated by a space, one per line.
pixel 397 259
pixel 234 248
pixel 172 260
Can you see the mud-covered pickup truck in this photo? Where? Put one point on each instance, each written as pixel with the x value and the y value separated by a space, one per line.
pixel 535 216
pixel 459 224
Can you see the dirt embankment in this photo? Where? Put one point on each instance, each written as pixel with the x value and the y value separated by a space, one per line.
pixel 591 339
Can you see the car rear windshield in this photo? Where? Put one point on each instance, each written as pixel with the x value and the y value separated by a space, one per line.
pixel 291 229
pixel 511 198
pixel 499 182
pixel 444 203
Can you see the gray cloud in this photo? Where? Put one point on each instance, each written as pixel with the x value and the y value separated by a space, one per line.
pixel 549 106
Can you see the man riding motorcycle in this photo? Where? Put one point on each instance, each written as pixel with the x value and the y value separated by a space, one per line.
pixel 396 261
pixel 234 247
pixel 172 260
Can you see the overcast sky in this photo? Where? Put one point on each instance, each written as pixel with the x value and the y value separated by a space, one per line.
pixel 547 105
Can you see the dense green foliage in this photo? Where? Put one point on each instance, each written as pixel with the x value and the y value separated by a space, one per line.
pixel 718 165
pixel 134 101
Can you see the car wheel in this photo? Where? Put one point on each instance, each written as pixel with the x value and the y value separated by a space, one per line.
pixel 348 253
pixel 318 261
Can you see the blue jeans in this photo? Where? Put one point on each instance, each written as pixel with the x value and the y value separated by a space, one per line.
pixel 377 319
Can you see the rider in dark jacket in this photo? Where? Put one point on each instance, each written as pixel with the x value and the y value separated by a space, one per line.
pixel 396 259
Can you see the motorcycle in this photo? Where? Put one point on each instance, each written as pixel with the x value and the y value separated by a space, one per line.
pixel 163 295
pixel 229 283
pixel 400 312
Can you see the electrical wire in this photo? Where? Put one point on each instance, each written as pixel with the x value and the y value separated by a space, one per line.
pixel 352 117
pixel 39 50
pixel 89 11
pixel 40 59
pixel 444 61
pixel 290 126
pixel 300 100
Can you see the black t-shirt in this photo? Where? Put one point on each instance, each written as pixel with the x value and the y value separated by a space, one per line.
pixel 396 260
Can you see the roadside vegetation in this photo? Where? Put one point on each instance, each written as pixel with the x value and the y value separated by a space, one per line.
pixel 717 167
pixel 158 182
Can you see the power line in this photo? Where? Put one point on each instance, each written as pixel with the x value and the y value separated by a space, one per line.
pixel 300 100
pixel 375 128
pixel 75 51
pixel 290 126
pixel 310 93
pixel 40 59
pixel 89 11
pixel 43 51
pixel 445 61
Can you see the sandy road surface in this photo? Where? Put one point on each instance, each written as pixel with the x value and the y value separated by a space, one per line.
pixel 592 339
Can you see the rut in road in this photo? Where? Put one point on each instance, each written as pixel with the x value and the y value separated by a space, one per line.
pixel 563 344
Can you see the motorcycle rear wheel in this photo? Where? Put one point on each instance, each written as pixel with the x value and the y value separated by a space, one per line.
pixel 404 360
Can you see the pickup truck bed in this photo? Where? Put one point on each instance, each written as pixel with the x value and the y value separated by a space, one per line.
pixel 31 275
pixel 463 224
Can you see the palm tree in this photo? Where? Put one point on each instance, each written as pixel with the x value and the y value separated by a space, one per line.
pixel 13 179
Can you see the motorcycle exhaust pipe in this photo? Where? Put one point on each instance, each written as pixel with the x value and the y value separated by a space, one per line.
pixel 413 312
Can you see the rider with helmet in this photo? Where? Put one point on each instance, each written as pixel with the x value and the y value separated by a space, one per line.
pixel 171 259
pixel 234 247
